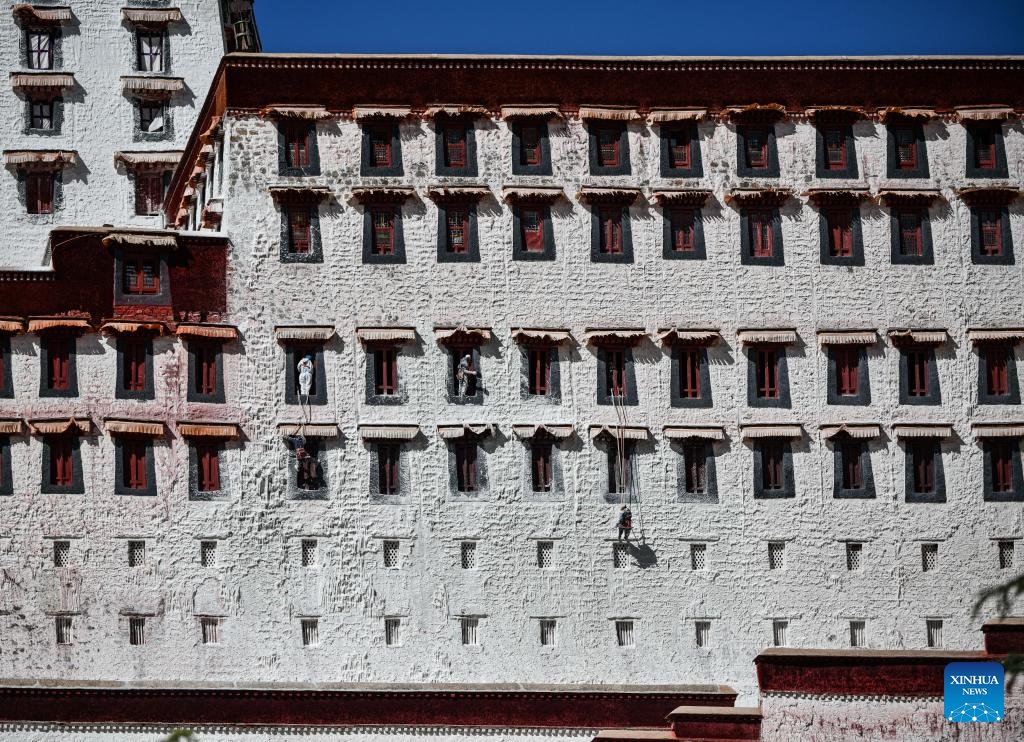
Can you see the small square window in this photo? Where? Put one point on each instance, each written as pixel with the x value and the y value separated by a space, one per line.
pixel 698 556
pixel 393 632
pixel 208 553
pixel 61 553
pixel 620 556
pixel 546 554
pixel 391 554
pixel 137 630
pixel 151 117
pixel 310 631
pixel 776 555
pixel 136 553
pixel 309 555
pixel 857 638
pixel 624 634
pixel 548 628
pixel 467 554
pixel 209 627
pixel 41 115
pixel 62 625
pixel 702 633
pixel 470 629
pixel 1005 554
pixel 929 557
pixel 780 627
pixel 854 552
pixel 933 628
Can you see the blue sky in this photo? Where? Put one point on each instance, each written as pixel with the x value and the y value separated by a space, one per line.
pixel 620 27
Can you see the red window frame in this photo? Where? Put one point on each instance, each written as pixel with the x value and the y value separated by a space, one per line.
pixel 615 372
pixel 997 377
pixel 206 355
pixel 850 461
pixel 140 275
pixel 608 151
pixel 679 155
pixel 300 230
pixel 531 225
pixel 529 145
pixel 388 457
pixel 755 146
pixel 382 220
pixel 385 370
pixel 1001 453
pixel 39 192
pixel 296 143
pixel 133 369
pixel 695 464
pixel 539 361
pixel 62 460
pixel 909 222
pixel 847 371
pixel 990 232
pixel 905 138
pixel 58 352
pixel 984 139
pixel 208 463
pixel 683 226
pixel 134 455
pixel 840 232
pixel 766 371
pixel 772 459
pixel 454 142
pixel 149 193
pixel 380 147
pixel 918 365
pixel 835 147
pixel 761 232
pixel 610 222
pixel 689 373
pixel 923 464
pixel 540 465
pixel 456 219
pixel 465 466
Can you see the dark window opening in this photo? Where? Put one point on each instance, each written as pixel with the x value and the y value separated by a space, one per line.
pixel 772 455
pixel 689 373
pixel 911 239
pixel 990 225
pixel 615 372
pixel 530 146
pixel 388 455
pixel 41 115
pixel 151 117
pixel 610 220
pixel 308 472
pixel 539 360
pixel 208 458
pixel 531 222
pixel 149 193
pixel 380 147
pixel 150 52
pixel 206 357
pixel 540 465
pixel 997 366
pixel 62 463
pixel 756 147
pixel 134 357
pixel 850 461
pixel 465 466
pixel 840 232
pixel 1002 453
pixel 918 368
pixel 39 193
pixel 296 144
pixel 835 147
pixel 385 371
pixel 985 156
pixel 695 464
pixel 906 147
pixel 383 231
pixel 59 350
pixel 464 372
pixel 679 150
pixel 140 276
pixel 759 224
pixel 847 371
pixel 300 239
pixel 40 50
pixel 766 368
pixel 923 463
pixel 134 460
pixel 457 227
pixel 454 147
pixel 684 230
pixel 608 147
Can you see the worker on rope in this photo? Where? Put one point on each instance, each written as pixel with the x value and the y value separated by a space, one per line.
pixel 464 372
pixel 307 464
pixel 625 522
pixel 305 368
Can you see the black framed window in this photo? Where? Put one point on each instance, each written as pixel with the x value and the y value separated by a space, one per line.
pixel 300 233
pixel 6 475
pixel 134 466
pixel 848 380
pixel 205 371
pixel 609 147
pixel 836 151
pixel 683 235
pixel 611 236
pixel 533 236
pixel 997 374
pixel 986 152
pixel 616 376
pixel 757 154
pixel 696 479
pixel 62 465
pixel 680 151
pixel 297 149
pixel 531 149
pixel 383 234
pixel 465 375
pixel 58 365
pixel 919 376
pixel 853 477
pixel 761 237
pixel 773 468
pixel 381 149
pixel 1003 480
pixel 907 152
pixel 6 373
pixel 911 235
pixel 767 376
pixel 691 377
pixel 455 146
pixel 842 241
pixel 311 357
pixel 457 238
pixel 134 368
pixel 991 238
pixel 924 474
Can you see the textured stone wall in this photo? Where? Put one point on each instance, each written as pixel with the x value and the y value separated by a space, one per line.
pixel 260 587
pixel 98 119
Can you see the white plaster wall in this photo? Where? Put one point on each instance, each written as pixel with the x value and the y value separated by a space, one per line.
pixel 259 585
pixel 98 119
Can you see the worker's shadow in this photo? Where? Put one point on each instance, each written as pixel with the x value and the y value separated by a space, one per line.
pixel 642 554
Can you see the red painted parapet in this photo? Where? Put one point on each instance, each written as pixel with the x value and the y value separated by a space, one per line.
pixel 710 723
pixel 365 705
pixel 856 671
pixel 1004 636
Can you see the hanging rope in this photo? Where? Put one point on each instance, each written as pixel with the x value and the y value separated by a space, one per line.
pixel 625 479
